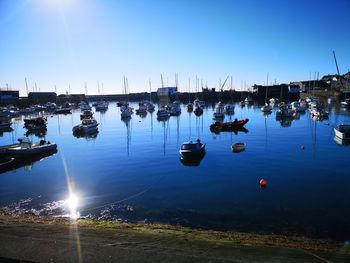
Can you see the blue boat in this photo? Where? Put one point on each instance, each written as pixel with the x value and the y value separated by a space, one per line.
pixel 192 149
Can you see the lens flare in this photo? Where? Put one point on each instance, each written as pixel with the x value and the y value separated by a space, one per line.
pixel 72 203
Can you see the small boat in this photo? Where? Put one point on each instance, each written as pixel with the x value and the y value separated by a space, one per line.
pixel 86 125
pixel 342 131
pixel 266 108
pixel 228 126
pixel 198 111
pixel 86 114
pixel 62 110
pixel 238 147
pixel 26 148
pixel 142 109
pixel 5 124
pixel 229 109
pixel 189 107
pixel 192 149
pixel 101 106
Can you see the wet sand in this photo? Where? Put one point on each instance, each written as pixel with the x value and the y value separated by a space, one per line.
pixel 45 239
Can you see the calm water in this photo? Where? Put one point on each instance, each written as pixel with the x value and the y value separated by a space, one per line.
pixel 132 171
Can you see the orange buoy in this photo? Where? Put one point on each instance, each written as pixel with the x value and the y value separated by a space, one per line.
pixel 263 183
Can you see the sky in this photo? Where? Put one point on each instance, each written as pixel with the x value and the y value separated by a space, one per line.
pixel 67 45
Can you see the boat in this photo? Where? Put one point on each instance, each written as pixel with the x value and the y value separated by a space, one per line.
pixel 163 112
pixel 198 111
pixel 5 123
pixel 35 120
pixel 219 112
pixel 266 108
pixel 86 114
pixel 192 149
pixel 285 113
pixel 86 125
pixel 62 110
pixel 238 147
pixel 345 103
pixel 229 109
pixel 342 131
pixel 248 100
pixel 142 110
pixel 101 106
pixel 228 126
pixel 318 114
pixel 189 107
pixel 6 163
pixel 25 147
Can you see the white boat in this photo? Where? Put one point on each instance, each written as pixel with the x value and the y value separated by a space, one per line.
pixel 219 112
pixel 298 107
pixel 125 111
pixel 163 112
pixel 342 131
pixel 101 106
pixel 229 109
pixel 142 109
pixel 86 125
pixel 266 108
pixel 26 148
pixel 192 149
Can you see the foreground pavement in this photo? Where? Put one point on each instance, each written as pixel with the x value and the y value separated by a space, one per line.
pixel 46 241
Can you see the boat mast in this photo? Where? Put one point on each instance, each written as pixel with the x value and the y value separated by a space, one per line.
pixel 336 64
pixel 267 86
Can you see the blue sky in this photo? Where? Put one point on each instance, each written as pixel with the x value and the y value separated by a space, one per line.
pixel 73 42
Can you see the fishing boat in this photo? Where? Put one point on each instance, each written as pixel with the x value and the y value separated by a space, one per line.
pixel 192 149
pixel 228 126
pixel 342 131
pixel 198 111
pixel 25 147
pixel 86 125
pixel 238 147
pixel 101 106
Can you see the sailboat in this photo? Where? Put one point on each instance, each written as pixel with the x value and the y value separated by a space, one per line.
pixel 189 105
pixel 126 111
pixel 230 108
pixel 267 107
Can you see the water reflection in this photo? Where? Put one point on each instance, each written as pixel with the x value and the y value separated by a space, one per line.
pixel 192 161
pixel 88 135
pixel 38 133
pixel 10 163
pixel 128 125
pixel 341 142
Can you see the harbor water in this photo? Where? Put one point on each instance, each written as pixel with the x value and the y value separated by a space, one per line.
pixel 131 171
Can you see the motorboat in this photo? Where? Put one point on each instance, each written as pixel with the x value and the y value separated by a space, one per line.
pixel 192 149
pixel 126 111
pixel 238 147
pixel 229 109
pixel 248 100
pixel 142 109
pixel 35 120
pixel 86 114
pixel 342 131
pixel 219 112
pixel 345 103
pixel 319 114
pixel 101 106
pixel 163 112
pixel 63 110
pixel 285 113
pixel 266 108
pixel 198 111
pixel 25 147
pixel 189 107
pixel 228 126
pixel 86 125
pixel 6 163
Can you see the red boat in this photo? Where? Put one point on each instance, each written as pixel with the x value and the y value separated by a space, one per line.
pixel 228 126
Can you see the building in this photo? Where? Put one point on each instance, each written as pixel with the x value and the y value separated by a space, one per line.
pixel 283 91
pixel 167 92
pixel 73 98
pixel 8 96
pixel 42 97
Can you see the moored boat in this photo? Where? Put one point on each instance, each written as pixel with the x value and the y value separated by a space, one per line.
pixel 25 147
pixel 86 125
pixel 238 147
pixel 342 131
pixel 192 149
pixel 228 126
